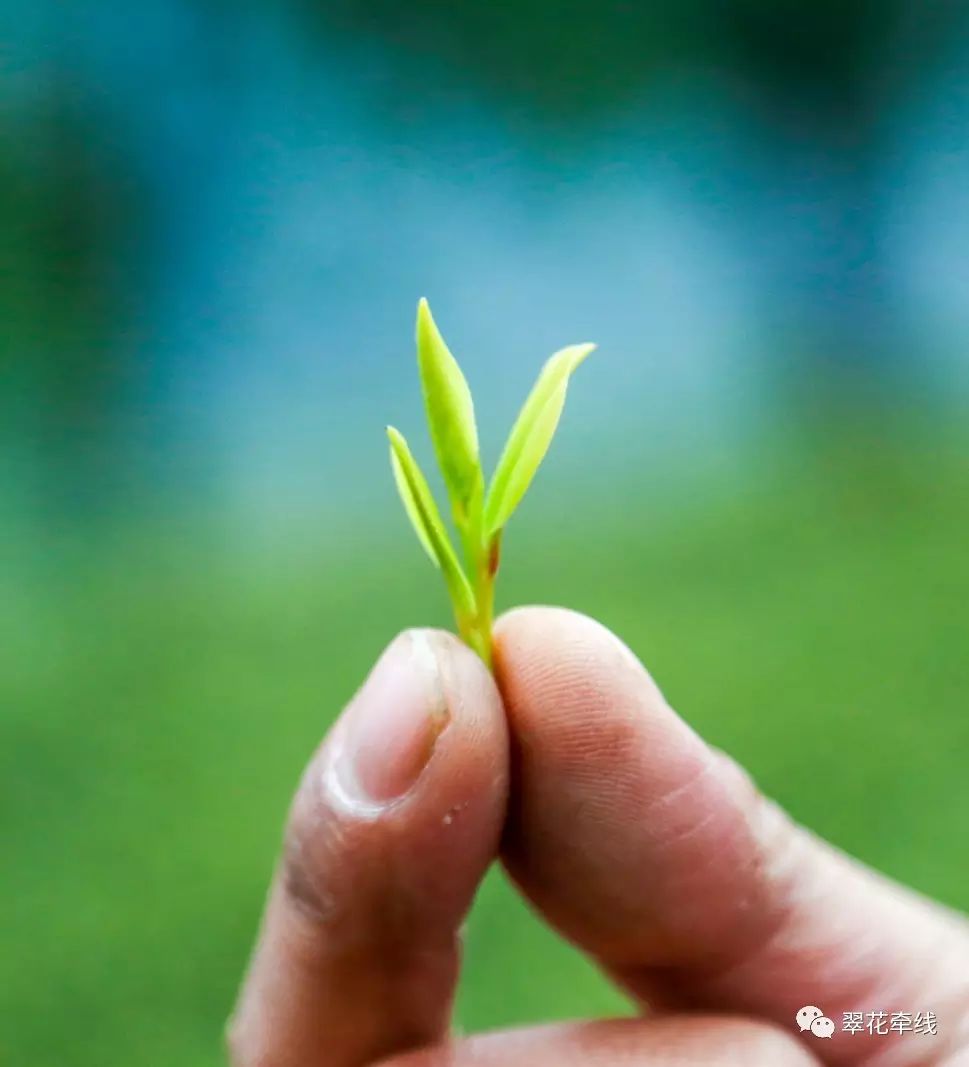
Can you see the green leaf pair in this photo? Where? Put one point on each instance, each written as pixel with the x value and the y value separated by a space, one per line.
pixel 479 516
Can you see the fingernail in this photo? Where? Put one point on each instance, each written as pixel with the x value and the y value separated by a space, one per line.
pixel 390 729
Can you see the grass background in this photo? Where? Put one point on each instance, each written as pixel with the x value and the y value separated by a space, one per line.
pixel 161 689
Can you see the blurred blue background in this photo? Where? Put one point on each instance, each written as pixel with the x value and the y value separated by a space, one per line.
pixel 217 220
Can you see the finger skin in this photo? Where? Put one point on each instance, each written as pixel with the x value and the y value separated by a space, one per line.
pixel 681 1041
pixel 655 853
pixel 358 952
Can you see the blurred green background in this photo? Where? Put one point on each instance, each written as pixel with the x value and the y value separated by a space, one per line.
pixel 216 222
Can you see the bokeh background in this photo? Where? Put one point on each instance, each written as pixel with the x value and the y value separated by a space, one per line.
pixel 216 221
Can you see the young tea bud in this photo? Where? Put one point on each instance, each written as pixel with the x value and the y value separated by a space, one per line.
pixel 479 517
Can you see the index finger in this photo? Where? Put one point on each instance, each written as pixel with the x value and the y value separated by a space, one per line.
pixel 393 826
pixel 655 853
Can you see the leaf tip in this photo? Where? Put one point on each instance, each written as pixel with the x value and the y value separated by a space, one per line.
pixel 426 326
pixel 576 355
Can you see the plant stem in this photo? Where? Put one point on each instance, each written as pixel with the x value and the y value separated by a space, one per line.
pixel 486 612
pixel 476 629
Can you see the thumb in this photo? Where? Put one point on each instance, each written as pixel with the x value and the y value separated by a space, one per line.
pixel 396 819
pixel 656 854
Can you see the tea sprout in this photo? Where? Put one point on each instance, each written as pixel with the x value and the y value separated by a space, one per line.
pixel 479 513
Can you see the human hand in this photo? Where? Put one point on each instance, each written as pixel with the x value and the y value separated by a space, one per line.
pixel 642 845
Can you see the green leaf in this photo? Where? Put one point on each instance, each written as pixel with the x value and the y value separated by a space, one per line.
pixel 426 520
pixel 408 494
pixel 530 437
pixel 450 414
